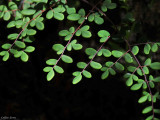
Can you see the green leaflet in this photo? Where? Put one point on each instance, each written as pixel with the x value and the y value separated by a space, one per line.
pixel 49 14
pixel 51 62
pixel 58 16
pixel 71 10
pixel 119 66
pixel 135 50
pixel 47 69
pixel 6 56
pixel 148 61
pixel 73 17
pixel 24 57
pixel 81 65
pixel 105 75
pixel 11 24
pixel 98 20
pixel 7 16
pixel 86 74
pixel 95 65
pixel 147 110
pixel 12 36
pixel 58 69
pixel 67 59
pixel 117 53
pixel 147 48
pixel 28 11
pixel 86 34
pixel 136 86
pixel 129 82
pixel 128 58
pixel 155 66
pixel 103 33
pixel 20 44
pixel 29 49
pixel 77 79
pixel 154 47
pixel 39 25
pixel 64 32
pixel 143 99
pixel 50 75
pixel 31 32
pixel 6 46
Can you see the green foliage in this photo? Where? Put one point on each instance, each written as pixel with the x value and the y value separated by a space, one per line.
pixel 29 20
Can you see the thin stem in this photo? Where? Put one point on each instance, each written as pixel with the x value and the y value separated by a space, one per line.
pixel 118 59
pixel 102 13
pixel 145 77
pixel 74 34
pixel 42 11
pixel 95 54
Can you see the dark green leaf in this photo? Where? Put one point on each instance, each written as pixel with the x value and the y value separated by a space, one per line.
pixel 147 48
pixel 155 66
pixel 20 44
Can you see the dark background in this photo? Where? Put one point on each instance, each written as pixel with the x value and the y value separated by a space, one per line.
pixel 26 94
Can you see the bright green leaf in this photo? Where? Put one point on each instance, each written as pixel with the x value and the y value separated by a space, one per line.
pixel 24 57
pixel 95 65
pixel 49 14
pixel 135 50
pixel 136 86
pixel 47 69
pixel 77 79
pixel 87 74
pixel 58 16
pixel 117 53
pixel 58 47
pixel 143 99
pixel 154 47
pixel 73 17
pixel 129 82
pixel 147 110
pixel 103 33
pixel 51 62
pixel 29 49
pixel 50 75
pixel 58 69
pixel 81 65
pixel 67 59
pixel 6 46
